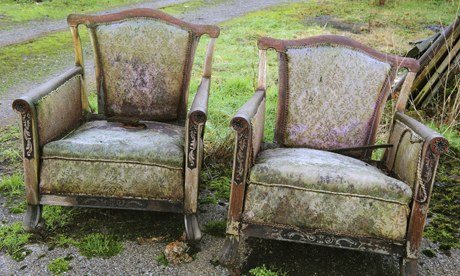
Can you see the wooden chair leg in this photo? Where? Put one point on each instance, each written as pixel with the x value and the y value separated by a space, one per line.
pixel 230 255
pixel 408 267
pixel 33 220
pixel 192 229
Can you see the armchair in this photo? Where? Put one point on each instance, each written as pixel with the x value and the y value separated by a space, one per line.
pixel 318 185
pixel 143 150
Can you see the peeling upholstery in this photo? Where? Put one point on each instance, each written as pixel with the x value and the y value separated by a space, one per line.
pixel 328 191
pixel 332 95
pixel 106 159
pixel 143 67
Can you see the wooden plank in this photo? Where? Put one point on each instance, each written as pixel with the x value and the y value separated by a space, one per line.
pixel 436 52
pixel 435 76
pixel 453 69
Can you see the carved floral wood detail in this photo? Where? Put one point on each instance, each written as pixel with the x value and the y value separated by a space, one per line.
pixel 192 145
pixel 241 156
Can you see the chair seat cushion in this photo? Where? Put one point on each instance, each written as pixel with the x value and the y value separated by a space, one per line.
pixel 103 158
pixel 326 191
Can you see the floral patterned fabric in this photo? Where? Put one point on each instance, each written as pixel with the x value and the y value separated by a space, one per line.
pixel 143 62
pixel 326 191
pixel 107 159
pixel 333 93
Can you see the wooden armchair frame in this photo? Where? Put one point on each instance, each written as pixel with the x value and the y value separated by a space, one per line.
pixel 406 133
pixel 38 129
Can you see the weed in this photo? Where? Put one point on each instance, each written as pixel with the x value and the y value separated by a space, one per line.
pixel 57 217
pixel 99 245
pixel 60 265
pixel 12 186
pixel 16 206
pixel 12 239
pixel 162 260
pixel 61 240
pixel 216 228
pixel 263 271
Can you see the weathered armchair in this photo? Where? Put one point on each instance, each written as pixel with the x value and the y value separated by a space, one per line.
pixel 142 150
pixel 318 185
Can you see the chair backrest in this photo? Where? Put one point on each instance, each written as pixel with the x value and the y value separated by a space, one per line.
pixel 332 91
pixel 144 60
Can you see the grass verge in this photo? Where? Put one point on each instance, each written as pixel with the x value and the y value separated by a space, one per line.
pixel 16 11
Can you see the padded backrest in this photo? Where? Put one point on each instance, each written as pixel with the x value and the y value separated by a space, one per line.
pixel 144 60
pixel 143 66
pixel 331 91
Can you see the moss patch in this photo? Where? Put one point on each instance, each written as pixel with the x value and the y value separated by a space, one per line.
pixel 60 265
pixel 264 271
pixel 99 245
pixel 444 214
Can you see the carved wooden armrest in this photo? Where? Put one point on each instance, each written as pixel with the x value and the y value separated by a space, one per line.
pixel 414 159
pixel 415 154
pixel 196 120
pixel 249 124
pixel 48 112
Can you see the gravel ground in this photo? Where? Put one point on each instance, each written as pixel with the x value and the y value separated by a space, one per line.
pixel 295 259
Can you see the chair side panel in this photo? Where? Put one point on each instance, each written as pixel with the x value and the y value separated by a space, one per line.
pixel 53 110
pixel 142 64
pixel 332 96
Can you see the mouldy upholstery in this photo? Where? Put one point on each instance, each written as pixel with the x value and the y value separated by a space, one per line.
pixel 332 95
pixel 117 161
pixel 328 191
pixel 53 113
pixel 408 152
pixel 143 79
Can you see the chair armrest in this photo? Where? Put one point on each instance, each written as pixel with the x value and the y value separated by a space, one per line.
pixel 47 112
pixel 55 106
pixel 196 120
pixel 249 125
pixel 415 154
pixel 199 109
pixel 414 159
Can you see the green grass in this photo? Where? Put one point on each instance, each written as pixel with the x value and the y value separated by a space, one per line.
pixel 37 59
pixel 60 265
pixel 58 217
pixel 263 271
pixel 190 6
pixel 12 186
pixel 12 240
pixel 10 148
pixel 15 11
pixel 99 245
pixel 162 260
